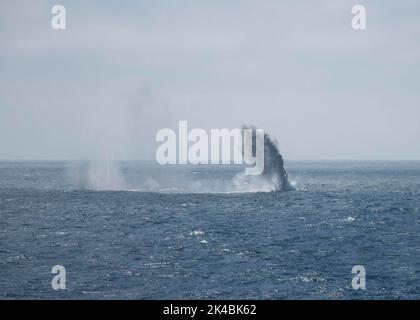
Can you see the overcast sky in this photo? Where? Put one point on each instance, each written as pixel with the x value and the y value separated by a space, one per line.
pixel 123 69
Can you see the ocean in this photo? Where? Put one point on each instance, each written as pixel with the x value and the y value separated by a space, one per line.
pixel 182 232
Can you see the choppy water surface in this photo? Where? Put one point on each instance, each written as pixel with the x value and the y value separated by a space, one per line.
pixel 183 243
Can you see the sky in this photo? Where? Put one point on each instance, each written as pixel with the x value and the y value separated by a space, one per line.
pixel 122 70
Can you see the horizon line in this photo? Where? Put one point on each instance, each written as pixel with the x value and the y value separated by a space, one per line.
pixel 150 160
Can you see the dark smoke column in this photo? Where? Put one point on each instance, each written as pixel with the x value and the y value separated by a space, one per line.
pixel 274 171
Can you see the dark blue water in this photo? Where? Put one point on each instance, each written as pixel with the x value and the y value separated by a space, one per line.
pixel 142 245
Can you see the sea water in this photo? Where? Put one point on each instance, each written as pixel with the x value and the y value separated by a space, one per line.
pixel 183 232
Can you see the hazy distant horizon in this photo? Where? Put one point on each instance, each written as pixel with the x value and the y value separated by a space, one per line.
pixel 203 165
pixel 237 150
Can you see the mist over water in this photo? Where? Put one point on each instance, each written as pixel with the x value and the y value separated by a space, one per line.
pixel 105 176
pixel 108 175
pixel 96 175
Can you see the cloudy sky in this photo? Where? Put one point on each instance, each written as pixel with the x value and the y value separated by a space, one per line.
pixel 123 69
